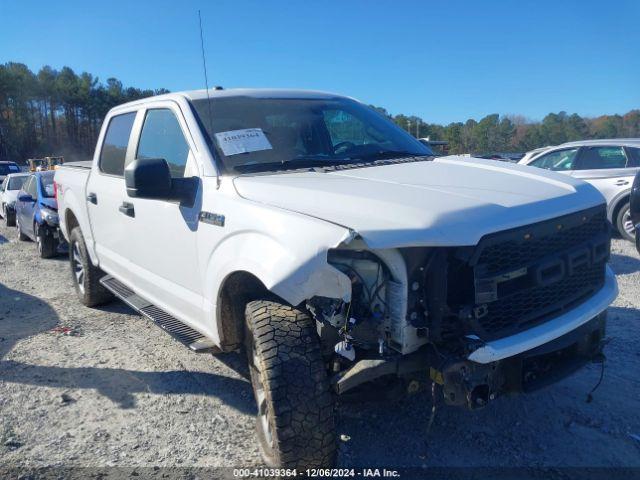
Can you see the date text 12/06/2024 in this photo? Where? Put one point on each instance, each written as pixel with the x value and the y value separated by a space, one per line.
pixel 316 473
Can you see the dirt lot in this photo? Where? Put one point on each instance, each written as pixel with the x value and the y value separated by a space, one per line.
pixel 119 391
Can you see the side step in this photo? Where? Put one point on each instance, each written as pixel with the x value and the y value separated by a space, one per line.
pixel 174 327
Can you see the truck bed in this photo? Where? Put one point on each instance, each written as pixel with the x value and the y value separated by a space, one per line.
pixel 85 164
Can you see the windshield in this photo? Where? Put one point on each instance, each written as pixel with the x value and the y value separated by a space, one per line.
pixel 7 168
pixel 251 134
pixel 46 181
pixel 15 183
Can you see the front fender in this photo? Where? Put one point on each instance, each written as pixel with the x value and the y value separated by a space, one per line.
pixel 294 271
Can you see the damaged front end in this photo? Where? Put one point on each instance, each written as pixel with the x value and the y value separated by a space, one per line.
pixel 430 310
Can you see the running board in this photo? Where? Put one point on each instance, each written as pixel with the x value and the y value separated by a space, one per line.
pixel 174 327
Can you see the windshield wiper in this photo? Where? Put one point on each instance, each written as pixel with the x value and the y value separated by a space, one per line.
pixel 387 154
pixel 293 164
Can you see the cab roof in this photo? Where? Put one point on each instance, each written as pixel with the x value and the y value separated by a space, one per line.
pixel 632 142
pixel 236 92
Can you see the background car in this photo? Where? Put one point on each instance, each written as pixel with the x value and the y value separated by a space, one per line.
pixel 635 208
pixel 8 194
pixel 8 167
pixel 530 155
pixel 37 213
pixel 610 165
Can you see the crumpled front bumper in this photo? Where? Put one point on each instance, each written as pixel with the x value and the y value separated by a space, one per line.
pixel 473 385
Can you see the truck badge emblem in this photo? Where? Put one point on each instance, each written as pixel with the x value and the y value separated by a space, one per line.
pixel 212 218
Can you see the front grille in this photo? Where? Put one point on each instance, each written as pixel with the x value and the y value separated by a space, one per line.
pixel 502 253
pixel 510 263
pixel 526 308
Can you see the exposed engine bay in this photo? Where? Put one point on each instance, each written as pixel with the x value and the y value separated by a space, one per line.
pixel 444 303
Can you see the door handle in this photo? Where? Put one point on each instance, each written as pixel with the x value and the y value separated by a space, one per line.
pixel 622 182
pixel 127 209
pixel 93 198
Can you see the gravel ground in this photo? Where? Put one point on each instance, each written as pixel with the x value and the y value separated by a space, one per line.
pixel 104 387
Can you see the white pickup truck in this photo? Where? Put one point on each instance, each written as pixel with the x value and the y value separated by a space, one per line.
pixel 311 231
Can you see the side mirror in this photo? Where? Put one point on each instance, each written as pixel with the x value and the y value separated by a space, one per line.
pixel 148 178
pixel 25 197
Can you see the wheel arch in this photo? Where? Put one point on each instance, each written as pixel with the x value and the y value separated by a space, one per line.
pixel 236 291
pixel 616 204
pixel 250 266
pixel 70 220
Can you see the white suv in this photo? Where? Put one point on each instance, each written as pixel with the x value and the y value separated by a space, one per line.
pixel 608 164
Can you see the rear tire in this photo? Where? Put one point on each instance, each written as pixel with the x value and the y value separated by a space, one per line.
pixel 9 217
pixel 47 245
pixel 86 277
pixel 295 422
pixel 21 236
pixel 624 223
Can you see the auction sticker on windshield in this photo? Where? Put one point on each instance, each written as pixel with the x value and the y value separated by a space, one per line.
pixel 246 140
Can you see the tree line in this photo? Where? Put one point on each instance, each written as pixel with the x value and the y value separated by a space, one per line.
pixel 59 112
pixel 55 112
pixel 514 133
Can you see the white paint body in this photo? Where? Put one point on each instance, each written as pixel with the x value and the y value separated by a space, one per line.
pixel 279 227
pixel 9 196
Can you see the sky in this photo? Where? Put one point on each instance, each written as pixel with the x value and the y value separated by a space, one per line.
pixel 444 61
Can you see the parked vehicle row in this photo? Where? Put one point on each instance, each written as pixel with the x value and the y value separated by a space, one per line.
pixel 610 165
pixel 28 202
pixel 335 250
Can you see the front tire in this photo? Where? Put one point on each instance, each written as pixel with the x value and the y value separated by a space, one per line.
pixel 624 223
pixel 86 277
pixel 46 243
pixel 295 421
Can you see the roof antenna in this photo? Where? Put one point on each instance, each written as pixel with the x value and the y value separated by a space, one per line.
pixel 206 80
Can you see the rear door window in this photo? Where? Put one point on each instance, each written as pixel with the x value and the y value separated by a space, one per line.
pixel 46 182
pixel 634 157
pixel 558 160
pixel 15 183
pixel 162 137
pixel 598 158
pixel 114 147
pixel 31 187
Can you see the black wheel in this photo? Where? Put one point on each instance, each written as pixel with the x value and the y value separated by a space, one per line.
pixel 21 236
pixel 295 421
pixel 46 243
pixel 9 217
pixel 638 241
pixel 624 223
pixel 86 277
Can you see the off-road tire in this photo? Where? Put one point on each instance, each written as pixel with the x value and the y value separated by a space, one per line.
pixel 620 223
pixel 21 236
pixel 46 243
pixel 9 217
pixel 286 360
pixel 90 291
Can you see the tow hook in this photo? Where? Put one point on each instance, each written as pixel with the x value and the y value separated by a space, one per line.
pixel 470 384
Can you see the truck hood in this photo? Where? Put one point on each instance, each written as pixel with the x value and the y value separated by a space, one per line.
pixel 452 201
